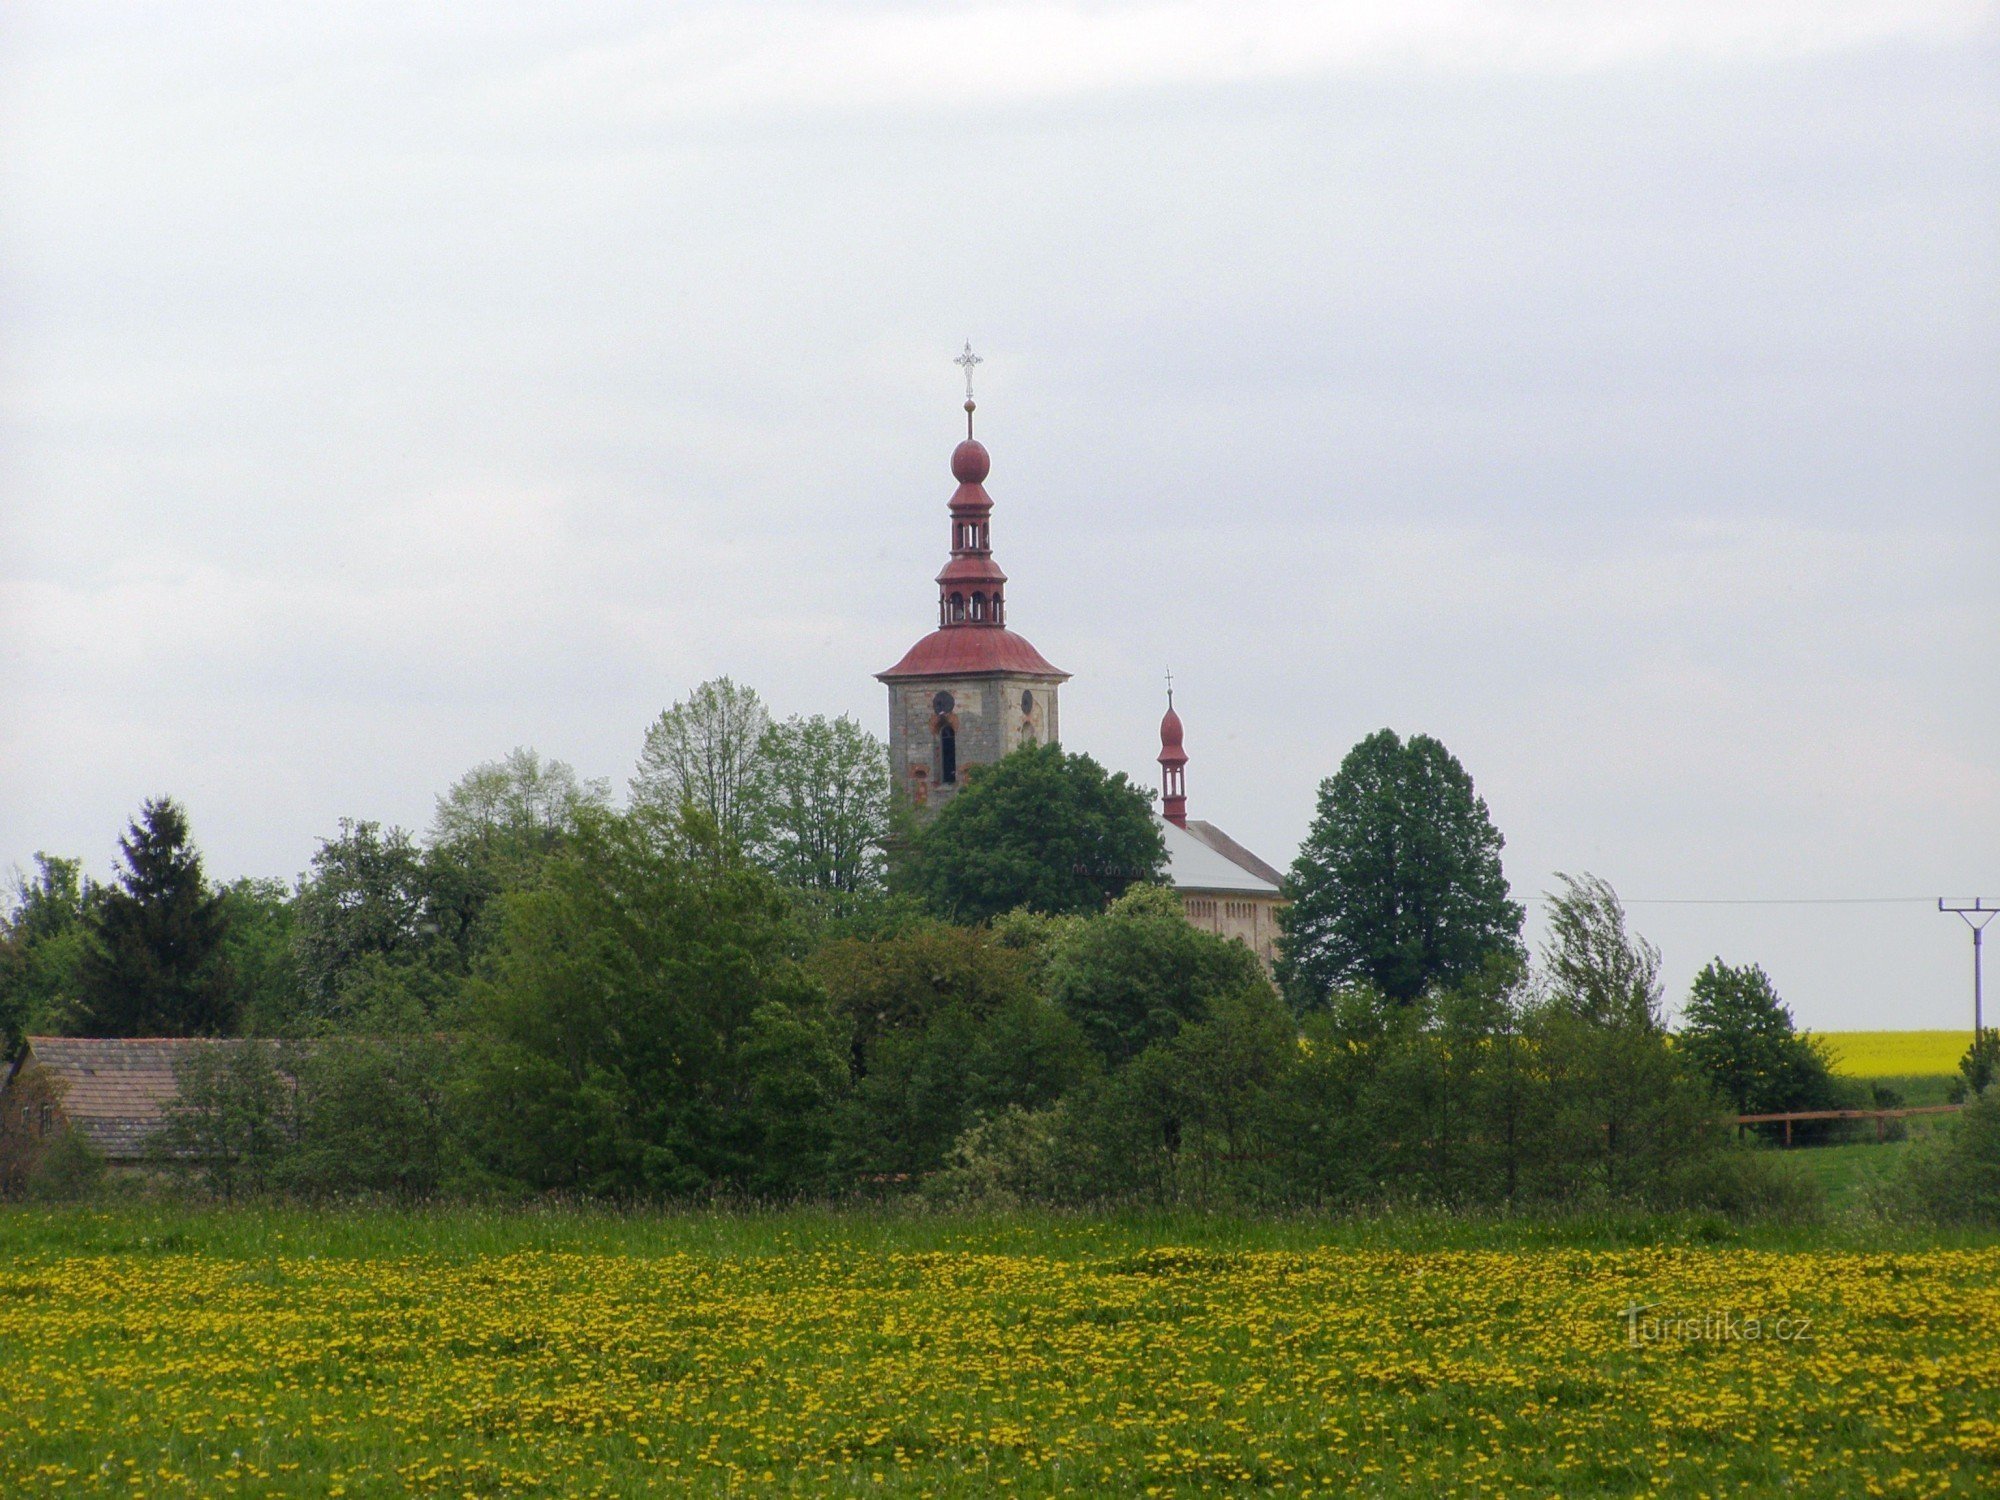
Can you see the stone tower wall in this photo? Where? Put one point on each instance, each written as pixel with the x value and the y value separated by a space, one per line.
pixel 988 721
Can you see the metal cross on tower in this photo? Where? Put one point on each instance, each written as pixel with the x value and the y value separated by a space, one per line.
pixel 965 362
pixel 1976 914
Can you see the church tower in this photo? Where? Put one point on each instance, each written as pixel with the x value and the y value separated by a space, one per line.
pixel 971 690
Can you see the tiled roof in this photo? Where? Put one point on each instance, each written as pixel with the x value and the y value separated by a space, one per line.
pixel 114 1089
pixel 968 649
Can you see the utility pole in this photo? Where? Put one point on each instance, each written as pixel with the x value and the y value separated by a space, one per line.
pixel 1976 914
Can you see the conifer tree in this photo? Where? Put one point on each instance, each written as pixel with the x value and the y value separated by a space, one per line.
pixel 154 966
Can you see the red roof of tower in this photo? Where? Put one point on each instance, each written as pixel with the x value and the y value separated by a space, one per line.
pixel 957 650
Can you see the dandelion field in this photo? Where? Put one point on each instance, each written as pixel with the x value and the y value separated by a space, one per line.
pixel 260 1354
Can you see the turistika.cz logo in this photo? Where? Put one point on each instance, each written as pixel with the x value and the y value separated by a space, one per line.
pixel 1644 1326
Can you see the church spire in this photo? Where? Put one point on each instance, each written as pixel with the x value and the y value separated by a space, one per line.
pixel 971 589
pixel 1173 764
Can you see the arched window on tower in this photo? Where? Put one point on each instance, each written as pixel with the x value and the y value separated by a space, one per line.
pixel 947 756
pixel 978 606
pixel 957 607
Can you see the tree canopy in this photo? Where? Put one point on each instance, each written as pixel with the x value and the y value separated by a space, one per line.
pixel 818 807
pixel 1041 829
pixel 1736 1029
pixel 1398 884
pixel 703 751
pixel 154 965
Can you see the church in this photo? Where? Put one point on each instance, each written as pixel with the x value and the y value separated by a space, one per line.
pixel 972 690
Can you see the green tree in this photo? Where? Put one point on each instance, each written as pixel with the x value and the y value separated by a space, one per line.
pixel 493 831
pixel 1736 1030
pixel 372 1114
pixel 362 904
pixel 1594 967
pixel 1625 1116
pixel 612 1045
pixel 1980 1065
pixel 1040 829
pixel 943 1029
pixel 43 936
pixel 257 916
pixel 1202 1095
pixel 155 964
pixel 704 751
pixel 818 798
pixel 1136 973
pixel 1398 884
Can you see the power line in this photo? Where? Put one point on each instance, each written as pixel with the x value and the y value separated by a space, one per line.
pixel 1764 900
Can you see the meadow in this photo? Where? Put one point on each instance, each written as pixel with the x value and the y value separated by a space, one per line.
pixel 151 1350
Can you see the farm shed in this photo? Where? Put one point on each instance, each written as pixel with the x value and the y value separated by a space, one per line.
pixel 112 1090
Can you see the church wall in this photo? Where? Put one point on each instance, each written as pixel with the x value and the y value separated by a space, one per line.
pixel 1253 919
pixel 988 717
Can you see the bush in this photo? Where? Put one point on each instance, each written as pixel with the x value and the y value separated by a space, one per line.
pixel 1012 1159
pixel 1954 1178
pixel 68 1170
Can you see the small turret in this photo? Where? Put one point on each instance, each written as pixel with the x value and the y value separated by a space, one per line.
pixel 1173 766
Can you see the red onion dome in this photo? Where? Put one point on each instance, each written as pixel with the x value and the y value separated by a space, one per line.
pixel 970 462
pixel 1170 737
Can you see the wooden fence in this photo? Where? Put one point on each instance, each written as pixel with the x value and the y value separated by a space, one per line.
pixel 1877 1115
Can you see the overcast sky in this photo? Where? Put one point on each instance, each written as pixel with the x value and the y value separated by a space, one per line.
pixel 1607 389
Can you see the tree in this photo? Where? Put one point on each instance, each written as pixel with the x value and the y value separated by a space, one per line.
pixel 493 832
pixel 43 935
pixel 155 963
pixel 704 751
pixel 1736 1029
pixel 1596 969
pixel 257 915
pixel 364 899
pixel 1627 1116
pixel 818 799
pixel 1040 829
pixel 516 809
pixel 1398 884
pixel 616 1046
pixel 233 1117
pixel 942 1029
pixel 1135 974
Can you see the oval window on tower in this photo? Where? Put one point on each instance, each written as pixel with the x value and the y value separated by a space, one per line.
pixel 941 704
pixel 1027 701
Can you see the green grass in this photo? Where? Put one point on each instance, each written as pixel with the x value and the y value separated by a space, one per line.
pixel 1917 1090
pixel 159 1349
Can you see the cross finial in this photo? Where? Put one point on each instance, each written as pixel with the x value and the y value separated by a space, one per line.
pixel 1170 687
pixel 965 362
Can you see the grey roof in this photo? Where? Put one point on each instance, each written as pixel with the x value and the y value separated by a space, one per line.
pixel 114 1089
pixel 1194 863
pixel 1229 849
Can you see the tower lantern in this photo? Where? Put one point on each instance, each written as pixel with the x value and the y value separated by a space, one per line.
pixel 971 690
pixel 1173 764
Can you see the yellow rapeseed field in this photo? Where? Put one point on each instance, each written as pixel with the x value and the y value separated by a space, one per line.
pixel 1896 1054
pixel 822 1370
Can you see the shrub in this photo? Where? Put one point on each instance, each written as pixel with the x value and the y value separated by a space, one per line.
pixel 68 1170
pixel 1954 1178
pixel 1006 1161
